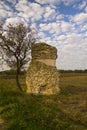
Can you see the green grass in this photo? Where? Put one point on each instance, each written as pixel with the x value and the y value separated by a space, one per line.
pixel 66 111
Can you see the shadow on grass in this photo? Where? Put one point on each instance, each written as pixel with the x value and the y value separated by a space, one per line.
pixel 21 111
pixel 72 89
pixel 35 112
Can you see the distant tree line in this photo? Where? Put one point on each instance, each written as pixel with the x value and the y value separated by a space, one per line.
pixel 13 72
pixel 73 71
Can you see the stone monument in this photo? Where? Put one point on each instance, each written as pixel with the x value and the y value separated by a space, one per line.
pixel 42 75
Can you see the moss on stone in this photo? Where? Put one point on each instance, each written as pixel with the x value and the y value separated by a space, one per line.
pixel 43 51
pixel 42 78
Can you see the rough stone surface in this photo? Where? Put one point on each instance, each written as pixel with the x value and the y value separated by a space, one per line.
pixel 42 76
pixel 43 51
pixel 49 62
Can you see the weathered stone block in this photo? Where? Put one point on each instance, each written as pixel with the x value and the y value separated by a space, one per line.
pixel 43 51
pixel 42 76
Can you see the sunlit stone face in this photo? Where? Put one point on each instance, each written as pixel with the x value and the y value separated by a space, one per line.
pixel 42 75
pixel 49 62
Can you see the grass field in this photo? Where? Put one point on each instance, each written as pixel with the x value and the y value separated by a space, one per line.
pixel 65 111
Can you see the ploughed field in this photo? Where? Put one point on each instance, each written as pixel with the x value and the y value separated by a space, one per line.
pixel 65 111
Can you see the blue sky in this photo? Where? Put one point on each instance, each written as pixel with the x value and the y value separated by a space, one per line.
pixel 60 23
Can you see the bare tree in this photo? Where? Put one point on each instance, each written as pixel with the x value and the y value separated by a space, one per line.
pixel 16 42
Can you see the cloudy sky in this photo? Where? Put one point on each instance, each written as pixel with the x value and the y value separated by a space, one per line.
pixel 60 23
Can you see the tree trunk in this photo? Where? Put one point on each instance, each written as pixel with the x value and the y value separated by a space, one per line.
pixel 17 81
pixel 17 78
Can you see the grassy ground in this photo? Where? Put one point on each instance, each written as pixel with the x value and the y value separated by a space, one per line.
pixel 66 111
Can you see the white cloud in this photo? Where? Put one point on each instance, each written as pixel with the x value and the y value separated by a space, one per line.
pixel 85 34
pixel 84 27
pixel 53 27
pixel 86 9
pixel 69 2
pixel 56 28
pixel 59 17
pixel 41 35
pixel 47 1
pixel 4 6
pixel 57 2
pixel 61 38
pixel 66 2
pixel 49 13
pixel 79 18
pixel 50 27
pixel 74 38
pixel 72 52
pixel 14 20
pixel 11 1
pixel 29 10
pixel 5 11
pixel 66 26
pixel 82 5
